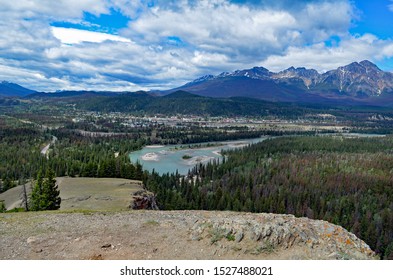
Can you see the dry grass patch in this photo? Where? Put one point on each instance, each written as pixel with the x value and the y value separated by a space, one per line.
pixel 85 194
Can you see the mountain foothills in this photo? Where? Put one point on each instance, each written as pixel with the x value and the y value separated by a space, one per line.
pixel 184 103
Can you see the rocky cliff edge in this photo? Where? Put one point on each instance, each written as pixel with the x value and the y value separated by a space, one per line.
pixel 174 235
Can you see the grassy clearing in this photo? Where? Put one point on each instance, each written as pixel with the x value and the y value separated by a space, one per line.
pixel 85 194
pixel 96 193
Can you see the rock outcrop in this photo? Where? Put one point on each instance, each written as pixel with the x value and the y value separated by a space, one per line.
pixel 173 235
pixel 270 232
pixel 144 200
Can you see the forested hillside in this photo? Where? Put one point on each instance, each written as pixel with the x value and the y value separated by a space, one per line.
pixel 82 149
pixel 184 103
pixel 71 155
pixel 345 181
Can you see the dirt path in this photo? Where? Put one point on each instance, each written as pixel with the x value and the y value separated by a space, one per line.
pixel 45 150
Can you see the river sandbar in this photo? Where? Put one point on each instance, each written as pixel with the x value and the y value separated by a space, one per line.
pixel 150 157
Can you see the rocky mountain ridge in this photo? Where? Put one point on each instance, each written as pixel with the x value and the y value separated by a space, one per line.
pixel 358 79
pixel 358 83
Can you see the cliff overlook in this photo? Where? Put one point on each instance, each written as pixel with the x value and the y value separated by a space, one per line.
pixel 173 235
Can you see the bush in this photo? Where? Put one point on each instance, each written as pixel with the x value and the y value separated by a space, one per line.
pixel 389 252
pixel 2 207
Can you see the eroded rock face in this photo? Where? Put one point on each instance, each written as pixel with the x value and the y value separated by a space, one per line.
pixel 270 232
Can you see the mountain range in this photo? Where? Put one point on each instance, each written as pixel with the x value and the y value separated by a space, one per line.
pixel 357 82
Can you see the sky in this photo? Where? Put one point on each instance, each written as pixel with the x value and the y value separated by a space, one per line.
pixel 130 45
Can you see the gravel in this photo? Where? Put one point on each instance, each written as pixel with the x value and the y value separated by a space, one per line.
pixel 173 235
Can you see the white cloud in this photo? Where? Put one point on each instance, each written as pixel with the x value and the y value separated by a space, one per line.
pixel 321 20
pixel 206 59
pixel 49 9
pixel 77 36
pixel 130 8
pixel 224 28
pixel 324 58
pixel 37 80
pixel 217 25
pixel 391 6
pixel 172 42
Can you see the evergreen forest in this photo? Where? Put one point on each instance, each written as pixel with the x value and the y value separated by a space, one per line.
pixel 346 181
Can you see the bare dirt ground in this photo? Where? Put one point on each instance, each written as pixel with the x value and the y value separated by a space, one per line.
pixel 173 235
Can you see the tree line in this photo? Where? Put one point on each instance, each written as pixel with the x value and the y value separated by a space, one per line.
pixel 71 155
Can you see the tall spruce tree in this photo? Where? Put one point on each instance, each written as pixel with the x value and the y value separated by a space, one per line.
pixel 50 191
pixel 45 194
pixel 36 194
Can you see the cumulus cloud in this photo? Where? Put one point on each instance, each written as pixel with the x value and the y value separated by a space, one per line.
pixel 49 9
pixel 77 36
pixel 324 58
pixel 168 43
pixel 241 30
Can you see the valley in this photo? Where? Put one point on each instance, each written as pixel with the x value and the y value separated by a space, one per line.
pixel 308 150
pixel 191 139
pixel 315 165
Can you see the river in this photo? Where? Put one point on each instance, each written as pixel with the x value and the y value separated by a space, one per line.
pixel 164 159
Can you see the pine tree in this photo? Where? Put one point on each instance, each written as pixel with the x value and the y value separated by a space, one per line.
pixel 36 193
pixel 51 193
pixel 45 195
pixel 8 184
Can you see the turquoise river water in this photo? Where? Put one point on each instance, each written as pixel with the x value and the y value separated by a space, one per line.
pixel 165 159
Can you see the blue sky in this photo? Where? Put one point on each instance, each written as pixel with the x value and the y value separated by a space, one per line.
pixel 134 45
